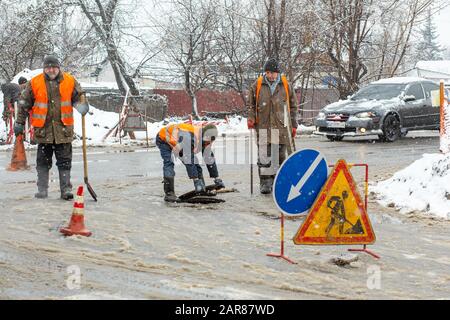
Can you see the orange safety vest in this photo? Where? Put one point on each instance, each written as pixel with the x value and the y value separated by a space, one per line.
pixel 170 134
pixel 40 107
pixel 258 89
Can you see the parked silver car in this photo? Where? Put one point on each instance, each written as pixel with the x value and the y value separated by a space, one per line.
pixel 388 108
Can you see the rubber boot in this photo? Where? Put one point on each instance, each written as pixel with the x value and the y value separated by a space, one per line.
pixel 42 183
pixel 265 184
pixel 202 179
pixel 169 190
pixel 199 186
pixel 65 185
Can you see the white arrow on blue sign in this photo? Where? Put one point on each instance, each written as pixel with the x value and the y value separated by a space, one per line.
pixel 299 181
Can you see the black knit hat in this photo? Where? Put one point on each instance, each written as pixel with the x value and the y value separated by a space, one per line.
pixel 272 65
pixel 22 80
pixel 51 61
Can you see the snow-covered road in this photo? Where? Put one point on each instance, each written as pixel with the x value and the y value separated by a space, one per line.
pixel 144 248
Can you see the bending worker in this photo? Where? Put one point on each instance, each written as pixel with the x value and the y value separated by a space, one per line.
pixel 185 141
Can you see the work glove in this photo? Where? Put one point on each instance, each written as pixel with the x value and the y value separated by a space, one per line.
pixel 18 128
pixel 294 132
pixel 82 108
pixel 219 183
pixel 250 124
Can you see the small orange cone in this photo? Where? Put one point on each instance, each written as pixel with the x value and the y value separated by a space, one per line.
pixel 76 225
pixel 19 158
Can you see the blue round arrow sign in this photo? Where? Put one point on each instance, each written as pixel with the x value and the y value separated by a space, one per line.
pixel 299 181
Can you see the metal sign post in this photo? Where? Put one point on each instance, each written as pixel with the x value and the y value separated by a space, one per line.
pixel 296 186
pixel 338 215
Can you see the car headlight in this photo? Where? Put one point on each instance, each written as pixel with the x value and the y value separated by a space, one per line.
pixel 365 115
pixel 321 116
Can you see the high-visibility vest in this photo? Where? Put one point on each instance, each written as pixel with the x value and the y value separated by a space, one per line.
pixel 40 107
pixel 258 89
pixel 170 133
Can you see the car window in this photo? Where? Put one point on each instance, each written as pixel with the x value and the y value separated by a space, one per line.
pixel 428 87
pixel 379 92
pixel 416 91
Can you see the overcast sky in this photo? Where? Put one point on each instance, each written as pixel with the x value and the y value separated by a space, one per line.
pixel 442 21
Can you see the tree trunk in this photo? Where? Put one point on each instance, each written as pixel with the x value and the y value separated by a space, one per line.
pixel 194 107
pixel 117 74
pixel 190 92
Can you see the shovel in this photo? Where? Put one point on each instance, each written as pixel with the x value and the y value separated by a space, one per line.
pixel 86 180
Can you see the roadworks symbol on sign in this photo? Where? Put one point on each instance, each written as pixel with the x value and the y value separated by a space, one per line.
pixel 338 215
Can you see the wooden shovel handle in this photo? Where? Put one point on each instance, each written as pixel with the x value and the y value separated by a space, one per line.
pixel 83 126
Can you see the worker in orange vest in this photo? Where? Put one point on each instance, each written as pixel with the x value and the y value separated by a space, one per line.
pixel 51 96
pixel 185 140
pixel 272 112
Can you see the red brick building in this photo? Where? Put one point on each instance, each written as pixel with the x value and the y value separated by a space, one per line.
pixel 179 102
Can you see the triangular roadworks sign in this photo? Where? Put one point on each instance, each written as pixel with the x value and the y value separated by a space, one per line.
pixel 338 215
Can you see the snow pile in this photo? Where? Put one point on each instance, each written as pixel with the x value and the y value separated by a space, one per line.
pixel 235 126
pixel 98 124
pixel 423 186
pixel 363 105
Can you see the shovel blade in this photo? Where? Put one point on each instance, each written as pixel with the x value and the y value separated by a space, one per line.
pixel 91 191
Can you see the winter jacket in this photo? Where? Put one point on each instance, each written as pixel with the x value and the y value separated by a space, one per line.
pixel 11 92
pixel 271 113
pixel 54 130
pixel 175 133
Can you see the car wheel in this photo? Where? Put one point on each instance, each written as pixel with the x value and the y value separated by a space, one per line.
pixel 335 138
pixel 391 129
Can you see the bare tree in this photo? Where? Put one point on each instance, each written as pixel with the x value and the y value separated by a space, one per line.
pixel 236 54
pixel 188 41
pixel 351 25
pixel 74 42
pixel 102 16
pixel 25 35
pixel 368 40
pixel 288 31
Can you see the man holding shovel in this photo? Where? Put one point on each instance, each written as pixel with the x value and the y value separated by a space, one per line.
pixel 272 112
pixel 51 96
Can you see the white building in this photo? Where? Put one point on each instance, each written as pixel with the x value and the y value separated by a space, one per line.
pixel 432 70
pixel 103 78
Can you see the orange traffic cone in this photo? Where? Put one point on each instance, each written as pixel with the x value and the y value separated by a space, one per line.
pixel 76 225
pixel 19 158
